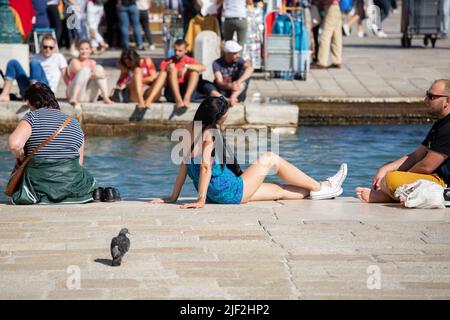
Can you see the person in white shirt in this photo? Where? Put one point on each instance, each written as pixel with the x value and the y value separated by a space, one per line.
pixel 144 8
pixel 46 67
pixel 94 11
pixel 235 14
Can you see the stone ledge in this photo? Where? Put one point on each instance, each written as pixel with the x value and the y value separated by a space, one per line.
pixel 164 115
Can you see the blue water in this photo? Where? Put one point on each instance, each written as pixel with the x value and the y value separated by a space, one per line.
pixel 141 167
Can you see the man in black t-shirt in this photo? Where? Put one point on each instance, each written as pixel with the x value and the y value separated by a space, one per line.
pixel 231 75
pixel 430 161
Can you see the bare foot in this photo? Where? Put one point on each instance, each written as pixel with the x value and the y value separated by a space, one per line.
pixel 179 104
pixel 4 98
pixel 372 196
pixel 363 194
pixel 233 101
pixel 187 103
pixel 108 101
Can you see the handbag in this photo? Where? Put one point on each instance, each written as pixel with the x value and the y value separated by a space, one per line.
pixel 120 95
pixel 17 173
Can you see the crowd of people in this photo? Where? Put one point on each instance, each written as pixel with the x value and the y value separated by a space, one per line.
pixel 327 20
pixel 179 76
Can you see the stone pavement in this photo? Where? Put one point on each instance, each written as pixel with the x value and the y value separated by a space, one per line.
pixel 334 249
pixel 372 68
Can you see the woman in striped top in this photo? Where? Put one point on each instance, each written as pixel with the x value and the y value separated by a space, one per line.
pixel 55 174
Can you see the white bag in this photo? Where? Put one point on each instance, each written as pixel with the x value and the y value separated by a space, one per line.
pixel 423 194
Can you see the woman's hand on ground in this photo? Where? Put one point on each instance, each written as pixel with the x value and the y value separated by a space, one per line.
pixel 193 205
pixel 162 200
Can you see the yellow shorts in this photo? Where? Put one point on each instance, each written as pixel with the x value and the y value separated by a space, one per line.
pixel 397 179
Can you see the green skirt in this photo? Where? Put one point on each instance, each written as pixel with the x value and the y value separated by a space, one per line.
pixel 54 181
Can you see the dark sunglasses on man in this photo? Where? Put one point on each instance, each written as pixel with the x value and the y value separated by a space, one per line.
pixel 48 47
pixel 433 96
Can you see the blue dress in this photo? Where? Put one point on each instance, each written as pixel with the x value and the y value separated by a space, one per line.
pixel 224 187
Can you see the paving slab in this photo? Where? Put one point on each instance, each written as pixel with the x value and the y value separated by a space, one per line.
pixel 263 250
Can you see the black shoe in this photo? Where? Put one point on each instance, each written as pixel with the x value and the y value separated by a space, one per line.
pixel 116 194
pixel 111 194
pixel 138 114
pixel 97 194
pixel 447 197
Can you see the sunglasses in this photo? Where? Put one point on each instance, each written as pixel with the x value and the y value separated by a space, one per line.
pixel 432 96
pixel 48 47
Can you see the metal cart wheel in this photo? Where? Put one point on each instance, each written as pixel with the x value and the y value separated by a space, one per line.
pixel 403 41
pixel 406 41
pixel 305 75
pixel 433 42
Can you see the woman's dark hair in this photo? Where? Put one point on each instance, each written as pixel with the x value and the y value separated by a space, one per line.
pixel 209 112
pixel 39 95
pixel 81 42
pixel 132 56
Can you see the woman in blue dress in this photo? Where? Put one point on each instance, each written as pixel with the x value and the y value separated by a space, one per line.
pixel 223 182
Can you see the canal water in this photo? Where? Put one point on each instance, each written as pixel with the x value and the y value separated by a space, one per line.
pixel 141 167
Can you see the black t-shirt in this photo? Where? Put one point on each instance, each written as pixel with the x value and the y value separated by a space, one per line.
pixel 438 139
pixel 230 71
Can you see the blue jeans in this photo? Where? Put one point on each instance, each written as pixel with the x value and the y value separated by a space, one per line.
pixel 385 7
pixel 14 71
pixel 446 16
pixel 127 13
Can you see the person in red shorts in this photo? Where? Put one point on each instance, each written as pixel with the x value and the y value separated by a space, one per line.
pixel 179 75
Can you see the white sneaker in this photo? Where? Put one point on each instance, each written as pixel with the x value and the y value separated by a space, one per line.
pixel 152 47
pixel 381 34
pixel 361 34
pixel 325 192
pixel 336 182
pixel 374 28
pixel 346 29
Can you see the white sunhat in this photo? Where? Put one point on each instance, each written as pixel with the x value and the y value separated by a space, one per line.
pixel 232 46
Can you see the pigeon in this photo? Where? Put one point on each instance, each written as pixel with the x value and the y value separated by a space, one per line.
pixel 119 246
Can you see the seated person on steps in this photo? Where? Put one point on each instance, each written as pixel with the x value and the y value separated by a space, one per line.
pixel 86 78
pixel 137 77
pixel 179 75
pixel 231 75
pixel 47 67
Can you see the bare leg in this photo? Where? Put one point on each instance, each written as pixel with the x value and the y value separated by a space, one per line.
pixel 77 89
pixel 193 78
pixel 4 96
pixel 136 89
pixel 173 83
pixel 216 93
pixel 155 92
pixel 254 176
pixel 352 21
pixel 102 83
pixel 275 191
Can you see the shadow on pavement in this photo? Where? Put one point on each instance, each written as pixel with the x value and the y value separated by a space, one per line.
pixel 106 262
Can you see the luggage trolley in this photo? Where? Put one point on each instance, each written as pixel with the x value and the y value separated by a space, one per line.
pixel 421 17
pixel 279 49
pixel 172 31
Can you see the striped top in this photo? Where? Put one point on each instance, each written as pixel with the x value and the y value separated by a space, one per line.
pixel 46 121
